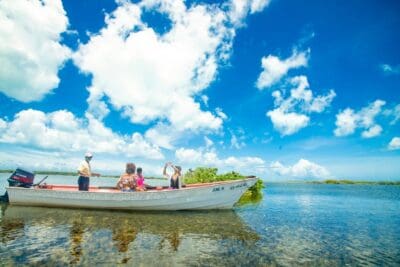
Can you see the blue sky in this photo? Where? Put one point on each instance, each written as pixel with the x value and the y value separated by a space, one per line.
pixel 285 90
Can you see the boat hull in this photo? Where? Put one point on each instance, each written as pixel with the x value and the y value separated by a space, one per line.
pixel 221 195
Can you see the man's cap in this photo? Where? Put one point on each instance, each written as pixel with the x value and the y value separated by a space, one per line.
pixel 88 155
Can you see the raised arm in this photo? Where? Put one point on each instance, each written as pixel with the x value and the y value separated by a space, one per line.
pixel 165 169
pixel 175 168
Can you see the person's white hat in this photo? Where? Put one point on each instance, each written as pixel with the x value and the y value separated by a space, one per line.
pixel 88 155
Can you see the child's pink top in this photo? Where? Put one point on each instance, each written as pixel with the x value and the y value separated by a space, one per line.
pixel 140 180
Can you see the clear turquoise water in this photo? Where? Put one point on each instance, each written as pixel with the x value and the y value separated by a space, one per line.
pixel 294 225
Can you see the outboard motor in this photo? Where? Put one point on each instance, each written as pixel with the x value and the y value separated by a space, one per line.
pixel 21 178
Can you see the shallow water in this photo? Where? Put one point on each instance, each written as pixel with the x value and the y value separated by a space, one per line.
pixel 295 224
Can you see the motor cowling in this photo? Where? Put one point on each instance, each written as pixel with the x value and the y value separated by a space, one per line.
pixel 21 178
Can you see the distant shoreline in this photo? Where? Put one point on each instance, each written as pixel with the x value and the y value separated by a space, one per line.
pixel 337 182
pixel 351 182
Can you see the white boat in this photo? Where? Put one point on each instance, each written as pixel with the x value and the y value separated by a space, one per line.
pixel 218 195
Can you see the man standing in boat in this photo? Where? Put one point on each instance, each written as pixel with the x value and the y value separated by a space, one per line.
pixel 84 171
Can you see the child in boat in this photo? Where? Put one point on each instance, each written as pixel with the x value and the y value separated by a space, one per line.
pixel 175 178
pixel 127 181
pixel 140 180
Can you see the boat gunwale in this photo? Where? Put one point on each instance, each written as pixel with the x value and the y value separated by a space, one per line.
pixel 188 187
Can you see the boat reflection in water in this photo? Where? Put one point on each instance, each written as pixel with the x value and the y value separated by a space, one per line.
pixel 69 236
pixel 10 229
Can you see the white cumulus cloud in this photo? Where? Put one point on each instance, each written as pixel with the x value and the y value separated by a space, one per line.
pixel 238 9
pixel 346 122
pixel 258 5
pixel 389 69
pixel 349 120
pixel 274 69
pixel 291 114
pixel 394 144
pixel 372 131
pixel 304 169
pixel 155 77
pixel 287 123
pixel 62 131
pixel 394 113
pixel 30 49
pixel 238 139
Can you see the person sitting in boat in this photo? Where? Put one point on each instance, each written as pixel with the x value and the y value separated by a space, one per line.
pixel 175 178
pixel 140 186
pixel 127 181
pixel 85 172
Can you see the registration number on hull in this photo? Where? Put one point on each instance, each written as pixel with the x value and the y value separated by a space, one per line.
pixel 233 187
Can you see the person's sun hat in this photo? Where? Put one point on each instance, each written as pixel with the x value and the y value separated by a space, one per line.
pixel 88 155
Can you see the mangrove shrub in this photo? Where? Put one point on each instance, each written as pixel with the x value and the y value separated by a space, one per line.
pixel 209 175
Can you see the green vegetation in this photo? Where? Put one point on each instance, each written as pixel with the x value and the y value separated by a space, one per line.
pixel 350 182
pixel 388 183
pixel 331 181
pixel 209 175
pixel 253 195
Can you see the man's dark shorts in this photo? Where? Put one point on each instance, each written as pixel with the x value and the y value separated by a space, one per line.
pixel 83 183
